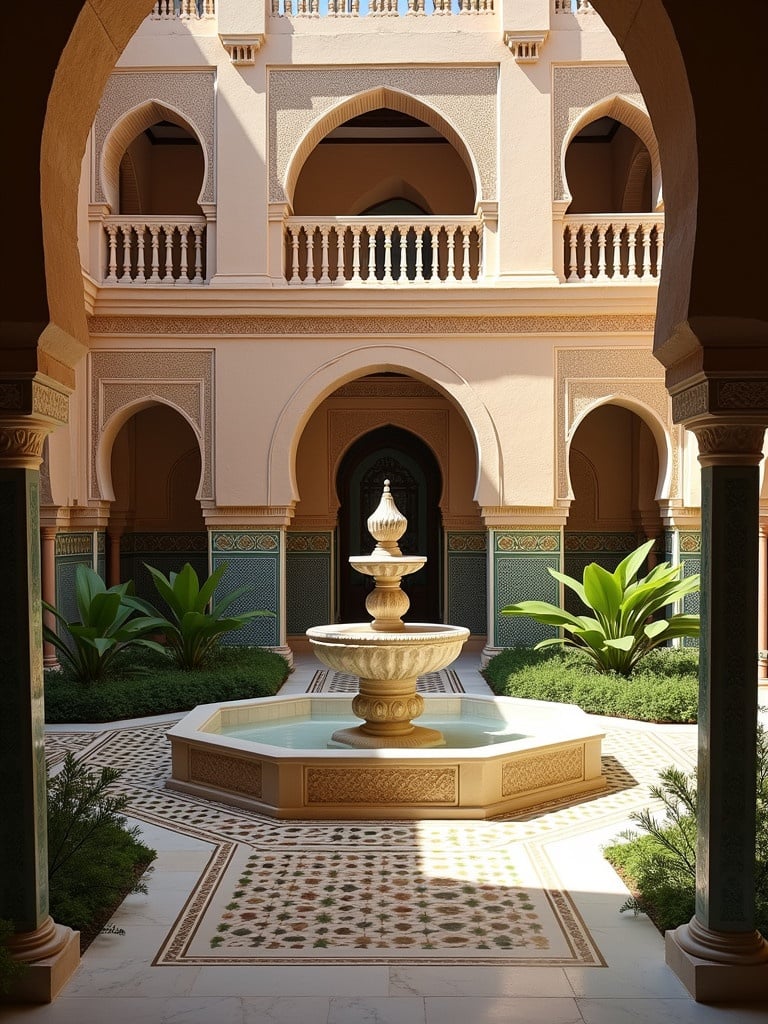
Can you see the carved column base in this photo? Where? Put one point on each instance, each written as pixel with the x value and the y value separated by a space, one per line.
pixel 719 967
pixel 51 955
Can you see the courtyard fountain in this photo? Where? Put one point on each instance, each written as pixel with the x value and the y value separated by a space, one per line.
pixel 304 757
pixel 387 656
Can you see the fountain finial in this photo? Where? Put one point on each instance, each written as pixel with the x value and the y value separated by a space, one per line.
pixel 387 525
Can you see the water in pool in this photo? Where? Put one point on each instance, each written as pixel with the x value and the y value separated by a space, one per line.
pixel 314 733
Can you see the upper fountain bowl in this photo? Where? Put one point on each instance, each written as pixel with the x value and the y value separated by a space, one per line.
pixel 419 648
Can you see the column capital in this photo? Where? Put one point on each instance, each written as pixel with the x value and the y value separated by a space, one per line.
pixel 729 442
pixel 30 407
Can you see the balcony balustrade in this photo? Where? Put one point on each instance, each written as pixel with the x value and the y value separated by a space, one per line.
pixel 356 8
pixel 155 250
pixel 612 247
pixel 361 251
pixel 165 10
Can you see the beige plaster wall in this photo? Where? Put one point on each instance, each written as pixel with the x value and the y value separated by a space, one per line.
pixel 339 179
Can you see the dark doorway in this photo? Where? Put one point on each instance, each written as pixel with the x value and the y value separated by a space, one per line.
pixel 393 454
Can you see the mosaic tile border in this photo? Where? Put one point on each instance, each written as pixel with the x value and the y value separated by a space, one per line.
pixel 326 681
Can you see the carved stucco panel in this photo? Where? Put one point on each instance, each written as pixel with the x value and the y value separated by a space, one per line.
pixel 298 97
pixel 191 93
pixel 574 90
pixel 182 378
pixel 585 376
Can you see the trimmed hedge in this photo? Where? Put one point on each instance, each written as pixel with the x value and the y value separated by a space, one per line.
pixel 144 683
pixel 663 688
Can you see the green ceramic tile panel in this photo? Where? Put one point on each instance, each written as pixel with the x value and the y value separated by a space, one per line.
pixel 467 580
pixel 521 560
pixel 308 568
pixel 253 560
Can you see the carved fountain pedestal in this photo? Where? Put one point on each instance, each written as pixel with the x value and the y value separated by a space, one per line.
pixel 387 655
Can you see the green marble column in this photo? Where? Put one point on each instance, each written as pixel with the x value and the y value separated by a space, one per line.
pixel 719 955
pixel 23 850
pixel 728 698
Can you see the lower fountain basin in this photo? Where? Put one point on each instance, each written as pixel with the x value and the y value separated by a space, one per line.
pixel 502 754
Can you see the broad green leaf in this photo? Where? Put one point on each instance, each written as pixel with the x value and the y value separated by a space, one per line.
pixel 207 589
pixel 544 612
pixel 629 567
pixel 602 590
pixel 622 643
pixel 655 629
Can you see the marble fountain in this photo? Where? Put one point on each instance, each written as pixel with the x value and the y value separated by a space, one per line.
pixel 304 756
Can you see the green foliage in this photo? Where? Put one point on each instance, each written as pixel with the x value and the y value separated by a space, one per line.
pixel 619 632
pixel 144 682
pixel 93 858
pixel 10 969
pixel 660 863
pixel 663 688
pixel 89 645
pixel 192 632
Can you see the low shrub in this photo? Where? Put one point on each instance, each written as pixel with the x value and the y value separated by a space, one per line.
pixel 659 865
pixel 94 859
pixel 662 688
pixel 143 683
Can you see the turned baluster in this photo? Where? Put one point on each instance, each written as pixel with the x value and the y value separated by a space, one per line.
pixel 324 232
pixel 659 247
pixel 111 230
pixel 573 253
pixel 418 276
pixel 435 231
pixel 355 279
pixel 139 271
pixel 310 239
pixel 403 255
pixel 465 241
pixel 646 270
pixel 602 231
pixel 294 233
pixel 387 275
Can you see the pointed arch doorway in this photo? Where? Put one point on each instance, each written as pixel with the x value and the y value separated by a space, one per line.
pixel 390 453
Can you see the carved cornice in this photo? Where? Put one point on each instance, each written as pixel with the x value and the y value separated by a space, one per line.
pixel 730 443
pixel 721 395
pixel 302 326
pixel 247 517
pixel 30 396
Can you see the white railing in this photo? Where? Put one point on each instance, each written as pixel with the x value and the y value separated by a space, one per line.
pixel 573 7
pixel 613 246
pixel 155 250
pixel 356 8
pixel 361 250
pixel 164 10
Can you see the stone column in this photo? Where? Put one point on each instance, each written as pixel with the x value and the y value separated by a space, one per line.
pixel 50 950
pixel 719 955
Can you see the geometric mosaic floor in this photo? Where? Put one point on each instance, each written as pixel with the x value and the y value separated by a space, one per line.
pixel 436 892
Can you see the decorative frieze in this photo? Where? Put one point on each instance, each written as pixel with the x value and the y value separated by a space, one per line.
pixel 381 787
pixel 715 396
pixel 730 443
pixel 522 541
pixel 385 326
pixel 525 774
pixel 238 774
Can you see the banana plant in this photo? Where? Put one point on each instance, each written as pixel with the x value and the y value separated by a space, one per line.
pixel 619 631
pixel 192 631
pixel 105 626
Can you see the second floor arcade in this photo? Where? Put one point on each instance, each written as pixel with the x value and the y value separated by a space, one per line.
pixel 299 173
